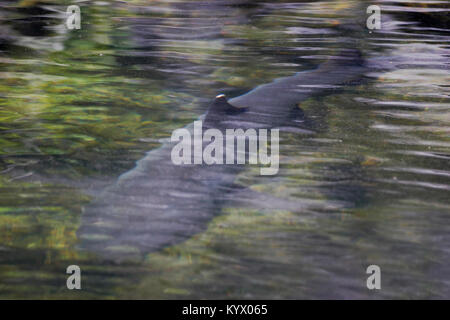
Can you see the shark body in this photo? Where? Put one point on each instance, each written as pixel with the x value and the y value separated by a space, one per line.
pixel 158 203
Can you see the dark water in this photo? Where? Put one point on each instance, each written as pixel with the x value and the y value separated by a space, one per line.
pixel 79 107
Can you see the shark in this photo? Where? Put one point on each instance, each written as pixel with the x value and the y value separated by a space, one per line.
pixel 159 204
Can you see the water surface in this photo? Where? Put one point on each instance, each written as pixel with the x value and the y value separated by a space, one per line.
pixel 79 107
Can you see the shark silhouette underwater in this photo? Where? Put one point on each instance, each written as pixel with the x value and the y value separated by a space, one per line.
pixel 159 204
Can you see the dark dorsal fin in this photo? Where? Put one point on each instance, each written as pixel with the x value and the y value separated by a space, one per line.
pixel 220 109
pixel 221 105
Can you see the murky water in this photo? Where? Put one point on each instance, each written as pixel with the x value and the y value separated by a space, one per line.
pixel 366 183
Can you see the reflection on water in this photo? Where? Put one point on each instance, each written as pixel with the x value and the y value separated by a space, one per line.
pixel 78 108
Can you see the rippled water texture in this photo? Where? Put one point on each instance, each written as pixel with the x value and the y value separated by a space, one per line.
pixel 366 182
